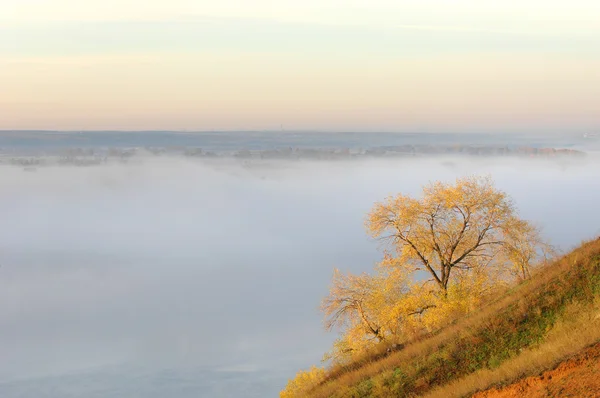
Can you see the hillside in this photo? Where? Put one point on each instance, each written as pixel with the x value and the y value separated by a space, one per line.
pixel 575 377
pixel 530 329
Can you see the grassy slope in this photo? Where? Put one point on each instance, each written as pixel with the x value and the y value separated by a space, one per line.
pixel 532 327
pixel 575 377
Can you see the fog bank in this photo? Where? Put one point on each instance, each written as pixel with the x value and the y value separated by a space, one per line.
pixel 211 270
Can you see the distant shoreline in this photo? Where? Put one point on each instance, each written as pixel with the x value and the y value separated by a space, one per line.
pixel 102 156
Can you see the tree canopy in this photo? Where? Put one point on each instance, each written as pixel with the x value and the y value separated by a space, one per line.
pixel 454 228
pixel 445 253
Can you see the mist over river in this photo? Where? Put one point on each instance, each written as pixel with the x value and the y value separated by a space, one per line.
pixel 167 277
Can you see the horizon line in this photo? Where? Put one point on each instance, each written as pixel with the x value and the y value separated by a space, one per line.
pixel 190 131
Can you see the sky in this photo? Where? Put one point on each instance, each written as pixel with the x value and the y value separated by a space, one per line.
pixel 329 65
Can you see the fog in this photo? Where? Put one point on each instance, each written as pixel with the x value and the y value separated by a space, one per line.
pixel 167 277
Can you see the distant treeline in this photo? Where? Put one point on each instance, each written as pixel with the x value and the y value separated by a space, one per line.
pixel 92 156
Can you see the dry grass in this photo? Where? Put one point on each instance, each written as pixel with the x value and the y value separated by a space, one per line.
pixel 557 278
pixel 565 340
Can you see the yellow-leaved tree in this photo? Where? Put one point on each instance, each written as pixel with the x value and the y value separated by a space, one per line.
pixel 365 308
pixel 447 252
pixel 464 239
pixel 452 228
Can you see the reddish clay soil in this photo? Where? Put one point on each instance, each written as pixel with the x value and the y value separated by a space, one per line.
pixel 578 376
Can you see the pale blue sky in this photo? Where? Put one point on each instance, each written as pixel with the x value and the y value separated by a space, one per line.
pixel 427 65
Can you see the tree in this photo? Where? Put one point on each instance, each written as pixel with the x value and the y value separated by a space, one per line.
pixel 524 247
pixel 465 238
pixel 352 302
pixel 452 229
pixel 368 309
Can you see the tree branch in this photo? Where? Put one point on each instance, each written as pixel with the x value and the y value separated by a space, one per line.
pixel 421 310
